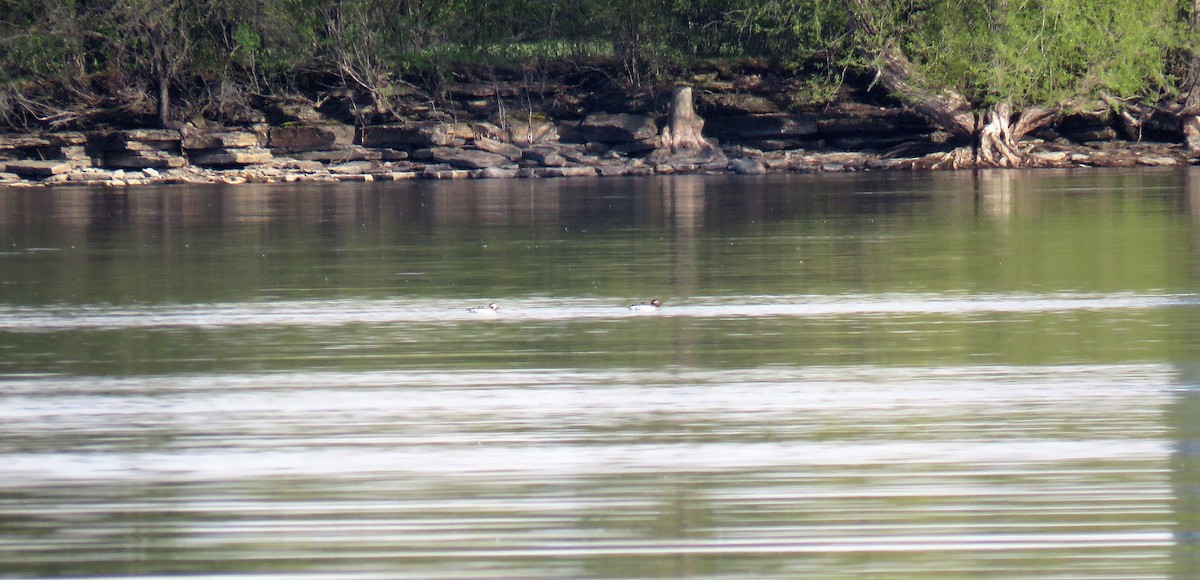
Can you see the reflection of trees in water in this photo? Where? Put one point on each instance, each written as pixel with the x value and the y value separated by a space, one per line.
pixel 681 202
pixel 671 511
pixel 1183 418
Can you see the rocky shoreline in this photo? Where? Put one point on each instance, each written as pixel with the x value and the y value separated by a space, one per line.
pixel 292 140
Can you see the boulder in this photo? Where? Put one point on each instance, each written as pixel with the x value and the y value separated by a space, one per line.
pixel 529 134
pixel 353 168
pixel 136 140
pixel 1158 161
pixel 76 153
pixel 569 131
pixel 467 158
pixel 545 156
pixel 291 164
pixel 1050 157
pixel 441 172
pixel 511 152
pixel 28 168
pixel 489 130
pixel 746 166
pixel 220 140
pixel 226 157
pixel 412 135
pixel 566 172
pixel 150 135
pixel 310 137
pixel 612 170
pixel 497 173
pixel 617 128
pixel 143 159
pixel 458 132
pixel 578 156
pixel 342 155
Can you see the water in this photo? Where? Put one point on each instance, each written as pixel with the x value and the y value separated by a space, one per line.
pixel 891 376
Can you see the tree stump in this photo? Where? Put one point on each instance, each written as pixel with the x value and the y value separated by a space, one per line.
pixel 685 131
pixel 1191 133
pixel 682 139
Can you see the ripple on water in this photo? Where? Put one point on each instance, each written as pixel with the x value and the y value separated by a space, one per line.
pixel 955 471
pixel 317 313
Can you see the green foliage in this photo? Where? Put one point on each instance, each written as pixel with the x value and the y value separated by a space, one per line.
pixel 35 56
pixel 1044 51
pixel 38 42
pixel 794 30
pixel 1018 51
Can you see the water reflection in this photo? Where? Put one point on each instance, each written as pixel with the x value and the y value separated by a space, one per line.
pixel 945 375
pixel 793 471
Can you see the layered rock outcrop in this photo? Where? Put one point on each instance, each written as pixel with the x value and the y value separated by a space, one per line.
pixel 725 122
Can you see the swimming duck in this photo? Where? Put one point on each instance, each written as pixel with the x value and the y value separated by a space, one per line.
pixel 651 306
pixel 490 309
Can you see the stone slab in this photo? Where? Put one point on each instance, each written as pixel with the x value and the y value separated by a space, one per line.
pixel 566 172
pixel 467 158
pixel 340 155
pixel 34 141
pixel 225 157
pixel 136 140
pixel 221 140
pixel 617 128
pixel 511 152
pixel 37 168
pixel 407 135
pixel 298 138
pixel 143 159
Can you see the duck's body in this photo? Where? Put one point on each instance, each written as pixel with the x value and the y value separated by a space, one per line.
pixel 489 310
pixel 651 306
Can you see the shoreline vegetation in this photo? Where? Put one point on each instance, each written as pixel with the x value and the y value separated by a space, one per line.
pixel 126 92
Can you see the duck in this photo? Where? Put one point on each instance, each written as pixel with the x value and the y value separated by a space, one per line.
pixel 651 306
pixel 490 309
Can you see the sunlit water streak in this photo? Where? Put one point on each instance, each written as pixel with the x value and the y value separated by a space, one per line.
pixel 880 377
pixel 799 460
pixel 536 421
pixel 349 311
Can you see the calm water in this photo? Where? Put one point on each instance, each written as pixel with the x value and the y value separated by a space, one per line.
pixel 900 376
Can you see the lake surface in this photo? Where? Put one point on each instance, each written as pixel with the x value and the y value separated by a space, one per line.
pixel 888 376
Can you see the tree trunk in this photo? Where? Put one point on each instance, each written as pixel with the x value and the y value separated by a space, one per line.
pixel 686 128
pixel 945 108
pixel 999 137
pixel 681 140
pixel 993 134
pixel 164 100
pixel 165 59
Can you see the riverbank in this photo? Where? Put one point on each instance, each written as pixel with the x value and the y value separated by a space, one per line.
pixel 155 161
pixel 566 129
